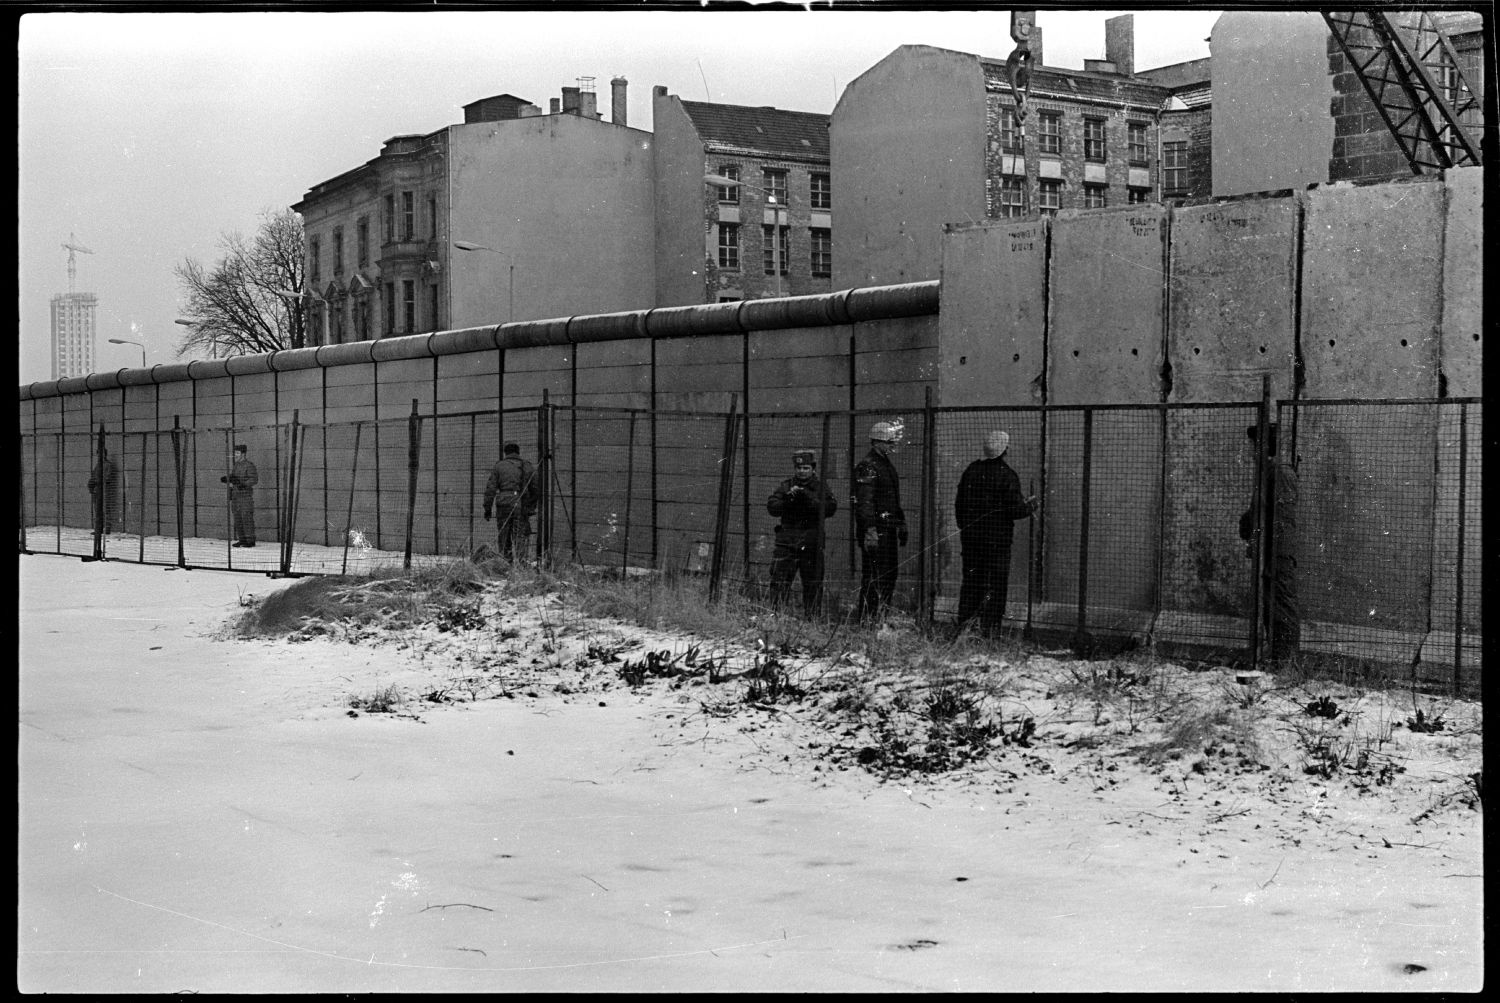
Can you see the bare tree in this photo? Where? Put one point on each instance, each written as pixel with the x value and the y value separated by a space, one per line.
pixel 235 307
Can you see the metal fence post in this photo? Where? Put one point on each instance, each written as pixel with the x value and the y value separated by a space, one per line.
pixel 823 467
pixel 413 452
pixel 544 472
pixel 1258 640
pixel 1085 489
pixel 926 527
pixel 178 480
pixel 1458 598
pixel 726 490
pixel 21 485
pixel 99 503
pixel 141 515
pixel 629 491
pixel 284 510
pixel 473 427
pixel 359 428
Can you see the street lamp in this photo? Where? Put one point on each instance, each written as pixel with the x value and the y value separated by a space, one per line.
pixel 296 296
pixel 510 303
pixel 213 339
pixel 137 344
pixel 728 182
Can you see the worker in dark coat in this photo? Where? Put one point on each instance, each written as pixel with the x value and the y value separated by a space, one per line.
pixel 988 504
pixel 802 502
pixel 879 523
pixel 1280 615
pixel 242 478
pixel 106 510
pixel 511 493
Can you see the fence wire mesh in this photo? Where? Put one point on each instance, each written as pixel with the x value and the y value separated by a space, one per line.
pixel 1133 520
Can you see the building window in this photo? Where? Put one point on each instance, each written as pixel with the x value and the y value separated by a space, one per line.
pixel 1011 201
pixel 775 184
pixel 362 238
pixel 408 215
pixel 769 251
pixel 822 250
pixel 1049 132
pixel 390 308
pixel 390 219
pixel 729 193
pixel 337 313
pixel 314 271
pixel 362 318
pixel 432 307
pixel 1095 196
pixel 1093 140
pixel 409 305
pixel 1050 200
pixel 1010 139
pixel 1139 155
pixel 729 246
pixel 1174 167
pixel 1139 196
pixel 822 192
pixel 338 250
pixel 432 231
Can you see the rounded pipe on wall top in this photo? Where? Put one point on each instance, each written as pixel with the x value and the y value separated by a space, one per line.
pixel 294 358
pixel 206 369
pixel 607 326
pixel 467 339
pixel 685 321
pixel 408 346
pixel 170 372
pixel 72 385
pixel 535 333
pixel 909 299
pixel 348 354
pixel 103 381
pixel 247 365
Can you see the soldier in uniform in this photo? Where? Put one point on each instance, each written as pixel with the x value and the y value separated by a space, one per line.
pixel 988 504
pixel 242 478
pixel 879 523
pixel 801 502
pixel 512 492
pixel 105 478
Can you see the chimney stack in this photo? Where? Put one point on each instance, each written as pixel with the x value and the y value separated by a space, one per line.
pixel 1119 43
pixel 1036 46
pixel 570 100
pixel 553 106
pixel 617 100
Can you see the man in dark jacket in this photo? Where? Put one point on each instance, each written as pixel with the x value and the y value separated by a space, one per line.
pixel 242 479
pixel 106 510
pixel 988 504
pixel 1280 616
pixel 879 523
pixel 801 502
pixel 511 493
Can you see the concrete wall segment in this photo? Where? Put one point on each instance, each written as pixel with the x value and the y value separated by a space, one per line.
pixel 1461 353
pixel 1107 323
pixel 1372 290
pixel 1232 287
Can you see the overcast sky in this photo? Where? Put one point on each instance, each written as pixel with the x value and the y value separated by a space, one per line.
pixel 148 135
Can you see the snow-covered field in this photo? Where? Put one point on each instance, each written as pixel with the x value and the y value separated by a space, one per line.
pixel 204 814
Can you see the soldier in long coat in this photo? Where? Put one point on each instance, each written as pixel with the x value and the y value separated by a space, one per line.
pixel 242 478
pixel 511 493
pixel 802 502
pixel 879 523
pixel 105 478
pixel 988 504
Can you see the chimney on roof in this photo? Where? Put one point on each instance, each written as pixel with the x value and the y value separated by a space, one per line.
pixel 659 91
pixel 1036 46
pixel 553 105
pixel 1119 43
pixel 617 100
pixel 570 101
pixel 588 101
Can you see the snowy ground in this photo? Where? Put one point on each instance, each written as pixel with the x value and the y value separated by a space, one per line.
pixel 204 814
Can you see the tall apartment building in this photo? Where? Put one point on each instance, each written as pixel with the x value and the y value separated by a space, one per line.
pixel 769 235
pixel 559 206
pixel 928 137
pixel 73 316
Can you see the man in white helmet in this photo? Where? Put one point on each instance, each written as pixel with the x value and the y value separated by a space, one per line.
pixel 988 503
pixel 879 523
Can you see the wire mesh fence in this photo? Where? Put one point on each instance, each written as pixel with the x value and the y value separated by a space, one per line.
pixel 1151 522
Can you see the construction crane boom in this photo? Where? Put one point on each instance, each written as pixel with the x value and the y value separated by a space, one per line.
pixel 1412 75
pixel 74 247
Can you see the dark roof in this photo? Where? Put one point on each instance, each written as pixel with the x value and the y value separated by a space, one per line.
pixel 771 131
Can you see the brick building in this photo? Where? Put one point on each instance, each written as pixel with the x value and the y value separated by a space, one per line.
pixel 714 242
pixel 540 197
pixel 1363 147
pixel 927 137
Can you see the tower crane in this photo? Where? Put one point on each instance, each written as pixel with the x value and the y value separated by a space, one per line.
pixel 1412 75
pixel 74 247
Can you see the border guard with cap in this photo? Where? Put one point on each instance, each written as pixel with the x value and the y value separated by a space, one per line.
pixel 802 502
pixel 242 478
pixel 879 523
